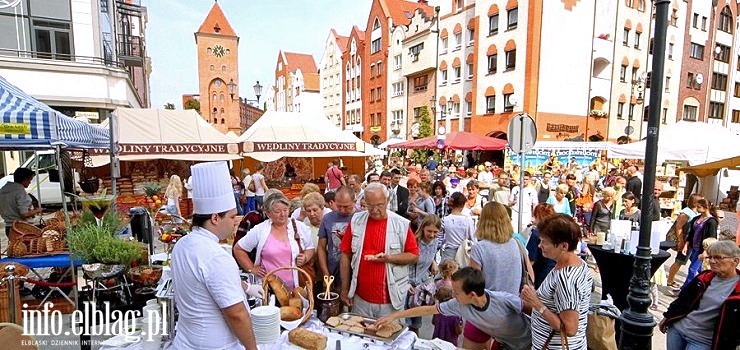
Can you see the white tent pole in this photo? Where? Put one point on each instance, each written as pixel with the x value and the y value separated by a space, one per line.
pixel 58 151
pixel 38 180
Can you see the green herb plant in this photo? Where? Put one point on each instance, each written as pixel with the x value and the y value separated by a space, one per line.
pixel 93 242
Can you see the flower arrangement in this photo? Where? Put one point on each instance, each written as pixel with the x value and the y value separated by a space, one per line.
pixel 598 113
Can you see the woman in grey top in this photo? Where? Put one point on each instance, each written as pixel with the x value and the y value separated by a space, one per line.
pixel 457 227
pixel 419 273
pixel 603 211
pixel 497 255
pixel 420 203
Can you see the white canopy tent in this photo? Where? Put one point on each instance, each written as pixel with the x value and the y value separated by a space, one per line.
pixel 146 134
pixel 693 142
pixel 293 134
pixel 573 145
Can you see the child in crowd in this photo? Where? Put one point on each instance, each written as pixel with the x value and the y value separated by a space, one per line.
pixel 703 256
pixel 447 328
pixel 446 268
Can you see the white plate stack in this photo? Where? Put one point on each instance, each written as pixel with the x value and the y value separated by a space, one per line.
pixel 266 324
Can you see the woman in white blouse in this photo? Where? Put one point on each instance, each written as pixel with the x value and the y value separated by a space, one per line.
pixel 276 242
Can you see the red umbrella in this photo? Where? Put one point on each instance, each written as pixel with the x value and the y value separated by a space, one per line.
pixel 457 140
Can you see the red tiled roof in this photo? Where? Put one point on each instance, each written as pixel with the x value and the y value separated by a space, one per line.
pixel 341 40
pixel 401 11
pixel 216 22
pixel 300 60
pixel 311 82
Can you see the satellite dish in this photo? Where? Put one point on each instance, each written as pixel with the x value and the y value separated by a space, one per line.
pixel 699 78
pixel 513 100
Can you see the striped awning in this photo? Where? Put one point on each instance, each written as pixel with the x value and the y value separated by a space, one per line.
pixel 28 123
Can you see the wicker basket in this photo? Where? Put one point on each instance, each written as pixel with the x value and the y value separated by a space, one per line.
pixel 22 230
pixel 23 239
pixel 20 270
pixel 309 290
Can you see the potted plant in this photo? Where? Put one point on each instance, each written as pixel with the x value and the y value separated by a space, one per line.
pixel 95 242
pixel 597 113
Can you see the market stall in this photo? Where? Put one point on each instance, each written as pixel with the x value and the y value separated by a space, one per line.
pixel 304 141
pixel 691 142
pixel 153 144
pixel 292 134
pixel 27 124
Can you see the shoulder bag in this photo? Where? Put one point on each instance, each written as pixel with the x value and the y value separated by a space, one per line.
pixel 526 266
pixel 308 266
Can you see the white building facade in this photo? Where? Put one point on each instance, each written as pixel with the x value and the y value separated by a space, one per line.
pixel 330 75
pixel 454 79
pixel 84 58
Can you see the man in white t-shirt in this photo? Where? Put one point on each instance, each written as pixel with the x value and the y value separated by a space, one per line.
pixel 529 200
pixel 209 294
pixel 485 179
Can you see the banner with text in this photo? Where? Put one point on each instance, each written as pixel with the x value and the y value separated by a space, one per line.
pixel 300 146
pixel 172 148
pixel 535 159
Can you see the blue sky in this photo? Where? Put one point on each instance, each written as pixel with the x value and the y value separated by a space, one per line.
pixel 264 28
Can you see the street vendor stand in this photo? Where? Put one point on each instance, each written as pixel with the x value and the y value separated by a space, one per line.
pixel 305 141
pixel 156 143
pixel 27 124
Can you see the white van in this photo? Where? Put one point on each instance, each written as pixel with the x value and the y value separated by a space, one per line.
pixel 51 192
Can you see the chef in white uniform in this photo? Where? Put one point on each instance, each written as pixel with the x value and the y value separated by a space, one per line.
pixel 209 294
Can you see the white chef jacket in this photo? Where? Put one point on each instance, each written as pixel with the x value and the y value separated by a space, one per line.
pixel 206 280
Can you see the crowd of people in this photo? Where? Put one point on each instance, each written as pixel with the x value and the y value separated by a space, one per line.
pixel 402 243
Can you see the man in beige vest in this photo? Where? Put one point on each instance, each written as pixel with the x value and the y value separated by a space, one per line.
pixel 377 248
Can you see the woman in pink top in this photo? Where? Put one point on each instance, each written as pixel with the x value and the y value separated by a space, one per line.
pixel 276 241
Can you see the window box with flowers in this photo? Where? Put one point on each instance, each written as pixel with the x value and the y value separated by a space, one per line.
pixel 596 113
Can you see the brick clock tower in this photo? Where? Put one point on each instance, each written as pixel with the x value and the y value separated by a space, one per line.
pixel 217 69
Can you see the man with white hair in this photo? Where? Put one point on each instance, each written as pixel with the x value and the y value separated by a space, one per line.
pixel 377 247
pixel 208 291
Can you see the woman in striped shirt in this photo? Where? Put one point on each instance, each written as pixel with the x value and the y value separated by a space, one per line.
pixel 560 304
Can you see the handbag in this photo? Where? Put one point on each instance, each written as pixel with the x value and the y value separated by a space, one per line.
pixel 424 293
pixel 563 339
pixel 600 334
pixel 526 267
pixel 308 266
pixel 251 187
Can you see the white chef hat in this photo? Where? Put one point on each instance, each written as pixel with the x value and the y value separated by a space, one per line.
pixel 212 191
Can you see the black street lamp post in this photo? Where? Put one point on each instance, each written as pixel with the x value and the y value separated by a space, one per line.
pixel 637 322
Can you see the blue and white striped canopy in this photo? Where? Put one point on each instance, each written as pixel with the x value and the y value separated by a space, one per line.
pixel 28 123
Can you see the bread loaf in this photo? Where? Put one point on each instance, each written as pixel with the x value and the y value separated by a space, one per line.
pixel 307 339
pixel 289 313
pixel 296 303
pixel 281 291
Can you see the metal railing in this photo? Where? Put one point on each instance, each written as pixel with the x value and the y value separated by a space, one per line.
pixel 60 57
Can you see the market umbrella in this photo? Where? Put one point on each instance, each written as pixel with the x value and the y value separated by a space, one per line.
pixel 457 140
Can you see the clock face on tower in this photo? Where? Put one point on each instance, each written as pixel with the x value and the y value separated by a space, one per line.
pixel 219 51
